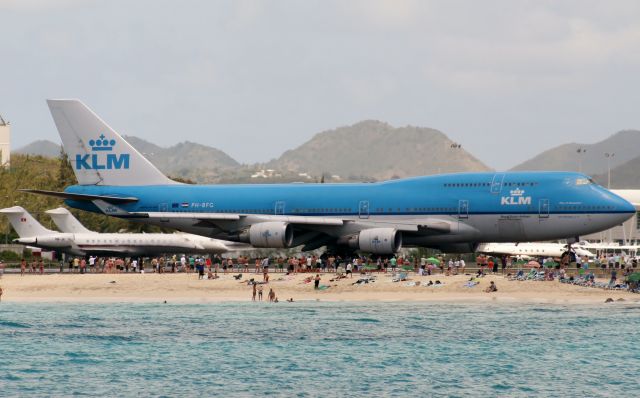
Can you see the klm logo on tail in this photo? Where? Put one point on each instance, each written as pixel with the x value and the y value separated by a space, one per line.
pixel 100 159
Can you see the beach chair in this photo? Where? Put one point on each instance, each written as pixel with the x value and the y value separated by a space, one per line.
pixel 399 277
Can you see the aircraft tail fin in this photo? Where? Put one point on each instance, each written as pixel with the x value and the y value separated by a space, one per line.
pixel 98 154
pixel 66 222
pixel 24 223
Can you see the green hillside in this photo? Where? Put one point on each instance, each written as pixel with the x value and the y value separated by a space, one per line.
pixel 37 172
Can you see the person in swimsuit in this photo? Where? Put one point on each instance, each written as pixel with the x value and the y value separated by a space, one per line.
pixel 491 288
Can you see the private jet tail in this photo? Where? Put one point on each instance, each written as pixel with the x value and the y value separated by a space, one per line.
pixel 66 222
pixel 98 154
pixel 25 225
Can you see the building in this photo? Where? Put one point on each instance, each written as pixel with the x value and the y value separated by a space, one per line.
pixel 5 143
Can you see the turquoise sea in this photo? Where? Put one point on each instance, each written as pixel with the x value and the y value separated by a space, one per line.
pixel 311 349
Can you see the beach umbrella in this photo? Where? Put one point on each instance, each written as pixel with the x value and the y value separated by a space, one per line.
pixel 533 264
pixel 635 277
pixel 407 267
pixel 433 260
pixel 550 264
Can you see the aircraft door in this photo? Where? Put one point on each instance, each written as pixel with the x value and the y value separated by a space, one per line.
pixel 543 207
pixel 163 208
pixel 496 183
pixel 363 209
pixel 279 208
pixel 463 209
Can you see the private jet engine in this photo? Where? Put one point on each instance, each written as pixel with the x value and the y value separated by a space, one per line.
pixel 273 234
pixel 375 240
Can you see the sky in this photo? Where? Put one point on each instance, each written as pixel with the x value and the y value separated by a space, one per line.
pixel 506 79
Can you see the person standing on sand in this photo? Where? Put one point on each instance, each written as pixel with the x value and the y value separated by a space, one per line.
pixel 272 295
pixel 23 267
pixel 316 282
pixel 253 297
pixel 259 292
pixel 0 293
pixel 41 265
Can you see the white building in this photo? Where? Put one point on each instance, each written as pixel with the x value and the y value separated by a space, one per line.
pixel 5 143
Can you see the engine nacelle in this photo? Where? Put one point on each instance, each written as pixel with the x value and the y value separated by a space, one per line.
pixel 376 240
pixel 273 234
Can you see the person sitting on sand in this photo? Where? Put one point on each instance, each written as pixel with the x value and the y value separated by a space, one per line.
pixel 491 288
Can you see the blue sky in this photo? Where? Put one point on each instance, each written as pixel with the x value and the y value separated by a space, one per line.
pixel 506 79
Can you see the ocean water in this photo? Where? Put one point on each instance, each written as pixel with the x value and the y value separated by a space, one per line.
pixel 311 349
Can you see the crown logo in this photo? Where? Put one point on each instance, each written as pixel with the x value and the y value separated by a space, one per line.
pixel 517 192
pixel 102 144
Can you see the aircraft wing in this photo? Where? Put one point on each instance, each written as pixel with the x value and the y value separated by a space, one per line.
pixel 213 217
pixel 419 225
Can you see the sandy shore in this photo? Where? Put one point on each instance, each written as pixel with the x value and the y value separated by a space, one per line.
pixel 187 288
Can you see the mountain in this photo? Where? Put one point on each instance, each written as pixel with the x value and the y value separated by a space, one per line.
pixel 624 145
pixel 196 162
pixel 44 148
pixel 625 176
pixel 374 149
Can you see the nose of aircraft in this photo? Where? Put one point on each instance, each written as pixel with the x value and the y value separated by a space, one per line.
pixel 621 206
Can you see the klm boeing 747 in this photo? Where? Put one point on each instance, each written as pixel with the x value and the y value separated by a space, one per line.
pixel 452 212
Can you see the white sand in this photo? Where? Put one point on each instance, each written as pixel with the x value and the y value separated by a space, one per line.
pixel 187 288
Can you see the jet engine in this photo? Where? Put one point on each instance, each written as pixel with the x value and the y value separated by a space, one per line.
pixel 375 240
pixel 272 234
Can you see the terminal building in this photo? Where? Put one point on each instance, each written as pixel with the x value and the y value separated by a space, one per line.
pixel 5 143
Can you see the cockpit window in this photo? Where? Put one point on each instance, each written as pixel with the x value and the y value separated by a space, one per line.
pixel 584 181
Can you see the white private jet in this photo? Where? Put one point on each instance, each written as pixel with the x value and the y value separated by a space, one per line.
pixel 532 249
pixel 78 240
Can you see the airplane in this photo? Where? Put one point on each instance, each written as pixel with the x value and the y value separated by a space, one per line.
pixel 80 241
pixel 450 212
pixel 533 249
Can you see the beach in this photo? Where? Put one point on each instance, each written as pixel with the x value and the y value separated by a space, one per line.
pixel 187 288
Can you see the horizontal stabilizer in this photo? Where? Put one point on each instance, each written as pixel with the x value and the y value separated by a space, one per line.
pixel 82 197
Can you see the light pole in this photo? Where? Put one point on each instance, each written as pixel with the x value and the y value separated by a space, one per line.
pixel 580 152
pixel 609 155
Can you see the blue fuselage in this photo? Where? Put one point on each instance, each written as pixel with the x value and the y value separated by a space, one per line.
pixel 498 206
